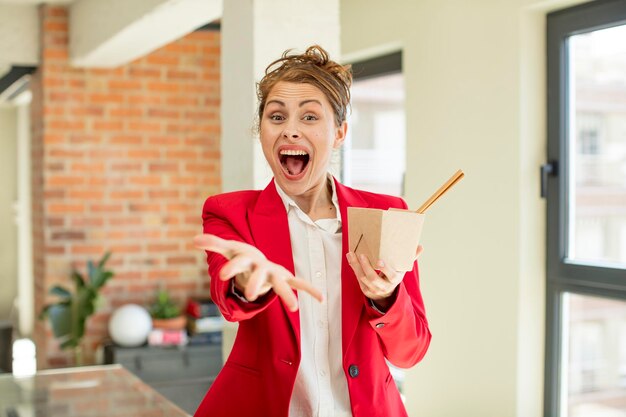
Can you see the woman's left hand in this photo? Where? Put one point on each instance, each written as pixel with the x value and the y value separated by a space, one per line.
pixel 378 287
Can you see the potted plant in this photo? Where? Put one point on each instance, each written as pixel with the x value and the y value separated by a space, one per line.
pixel 166 314
pixel 68 315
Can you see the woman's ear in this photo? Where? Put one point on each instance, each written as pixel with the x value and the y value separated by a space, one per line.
pixel 340 134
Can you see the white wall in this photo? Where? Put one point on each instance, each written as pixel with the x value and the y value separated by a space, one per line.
pixel 8 193
pixel 475 80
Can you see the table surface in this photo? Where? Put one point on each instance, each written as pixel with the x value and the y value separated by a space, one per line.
pixel 96 391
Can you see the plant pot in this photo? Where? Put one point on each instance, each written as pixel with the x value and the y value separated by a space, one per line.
pixel 176 323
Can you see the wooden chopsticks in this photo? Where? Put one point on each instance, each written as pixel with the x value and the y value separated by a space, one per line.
pixel 441 191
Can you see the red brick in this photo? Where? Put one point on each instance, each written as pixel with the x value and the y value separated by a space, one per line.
pixel 69 235
pixel 162 247
pixel 163 113
pixel 55 26
pixel 181 101
pixel 161 194
pixel 144 208
pixel 126 194
pixel 107 125
pixel 106 98
pixel 66 125
pixel 87 222
pixel 108 208
pixel 163 167
pixel 96 250
pixel 182 75
pixel 144 126
pixel 64 208
pixel 64 180
pixel 164 140
pixel 144 154
pixel 86 194
pixel 124 84
pixel 55 54
pixel 66 153
pixel 126 140
pixel 163 274
pixel 126 166
pixel 144 72
pixel 126 112
pixel 126 248
pixel 163 87
pixel 163 60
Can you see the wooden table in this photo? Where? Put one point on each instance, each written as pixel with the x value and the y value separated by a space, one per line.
pixel 97 391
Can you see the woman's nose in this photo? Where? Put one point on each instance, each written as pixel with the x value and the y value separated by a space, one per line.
pixel 290 133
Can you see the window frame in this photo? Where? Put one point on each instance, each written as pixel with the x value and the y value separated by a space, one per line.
pixel 564 276
pixel 386 64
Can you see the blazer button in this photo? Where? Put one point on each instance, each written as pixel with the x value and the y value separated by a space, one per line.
pixel 380 325
pixel 353 370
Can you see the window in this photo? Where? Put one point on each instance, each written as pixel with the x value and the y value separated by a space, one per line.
pixel 374 153
pixel 586 236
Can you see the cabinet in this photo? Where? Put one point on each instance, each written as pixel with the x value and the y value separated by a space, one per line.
pixel 181 374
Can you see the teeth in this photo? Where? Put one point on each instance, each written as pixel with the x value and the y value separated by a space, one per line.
pixel 293 152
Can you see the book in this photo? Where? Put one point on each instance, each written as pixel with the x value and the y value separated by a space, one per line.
pixel 162 337
pixel 199 307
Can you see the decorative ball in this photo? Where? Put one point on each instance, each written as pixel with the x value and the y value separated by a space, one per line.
pixel 130 325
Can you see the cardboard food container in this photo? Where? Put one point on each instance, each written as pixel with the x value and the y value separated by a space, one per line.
pixel 391 235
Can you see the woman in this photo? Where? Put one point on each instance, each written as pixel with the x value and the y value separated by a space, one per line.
pixel 328 358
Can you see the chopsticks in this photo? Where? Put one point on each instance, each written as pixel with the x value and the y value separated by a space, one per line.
pixel 441 191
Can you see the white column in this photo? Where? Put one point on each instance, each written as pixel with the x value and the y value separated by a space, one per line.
pixel 25 285
pixel 255 33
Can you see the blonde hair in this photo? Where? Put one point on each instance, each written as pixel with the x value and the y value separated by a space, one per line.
pixel 312 67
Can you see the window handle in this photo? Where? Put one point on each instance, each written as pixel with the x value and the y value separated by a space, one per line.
pixel 548 169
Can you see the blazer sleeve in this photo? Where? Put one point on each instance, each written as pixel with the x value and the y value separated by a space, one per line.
pixel 215 221
pixel 403 330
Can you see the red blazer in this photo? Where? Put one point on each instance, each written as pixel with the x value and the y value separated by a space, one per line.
pixel 258 377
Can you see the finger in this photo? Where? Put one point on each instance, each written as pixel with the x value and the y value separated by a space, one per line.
pixel 369 273
pixel 389 273
pixel 237 265
pixel 354 263
pixel 255 282
pixel 367 284
pixel 285 292
pixel 226 248
pixel 302 285
pixel 419 251
pixel 213 243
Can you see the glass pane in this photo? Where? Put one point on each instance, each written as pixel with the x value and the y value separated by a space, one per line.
pixel 374 157
pixel 597 146
pixel 594 357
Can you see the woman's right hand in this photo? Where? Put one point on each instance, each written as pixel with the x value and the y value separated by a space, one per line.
pixel 254 274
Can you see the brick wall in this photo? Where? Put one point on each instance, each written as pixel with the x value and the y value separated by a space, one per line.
pixel 122 160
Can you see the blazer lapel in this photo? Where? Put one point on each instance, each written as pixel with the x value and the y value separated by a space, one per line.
pixel 351 295
pixel 270 231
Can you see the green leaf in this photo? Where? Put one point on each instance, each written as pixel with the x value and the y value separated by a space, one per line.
pixel 60 316
pixel 60 292
pixel 102 278
pixel 78 279
pixel 92 272
pixel 104 260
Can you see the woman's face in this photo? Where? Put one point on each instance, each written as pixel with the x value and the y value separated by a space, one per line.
pixel 298 133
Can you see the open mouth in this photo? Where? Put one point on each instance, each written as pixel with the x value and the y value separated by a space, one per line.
pixel 294 161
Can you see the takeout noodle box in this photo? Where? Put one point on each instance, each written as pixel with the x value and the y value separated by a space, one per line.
pixel 391 235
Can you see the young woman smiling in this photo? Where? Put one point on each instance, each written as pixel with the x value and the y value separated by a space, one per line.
pixel 322 353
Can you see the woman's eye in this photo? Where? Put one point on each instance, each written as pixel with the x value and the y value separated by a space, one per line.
pixel 310 117
pixel 276 117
